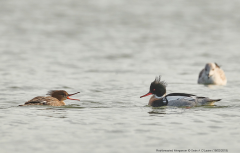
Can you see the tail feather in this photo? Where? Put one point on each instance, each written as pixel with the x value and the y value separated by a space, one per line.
pixel 213 100
pixel 207 101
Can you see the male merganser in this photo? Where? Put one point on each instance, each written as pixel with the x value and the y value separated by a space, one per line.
pixel 159 98
pixel 56 98
pixel 212 74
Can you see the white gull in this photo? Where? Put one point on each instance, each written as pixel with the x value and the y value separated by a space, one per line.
pixel 212 74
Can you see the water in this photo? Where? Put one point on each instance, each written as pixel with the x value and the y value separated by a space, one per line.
pixel 111 51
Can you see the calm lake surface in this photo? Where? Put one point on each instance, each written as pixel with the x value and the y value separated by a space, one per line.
pixel 110 51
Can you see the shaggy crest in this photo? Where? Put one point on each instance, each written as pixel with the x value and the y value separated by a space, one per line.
pixel 52 91
pixel 158 81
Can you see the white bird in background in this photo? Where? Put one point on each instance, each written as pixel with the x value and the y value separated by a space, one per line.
pixel 212 74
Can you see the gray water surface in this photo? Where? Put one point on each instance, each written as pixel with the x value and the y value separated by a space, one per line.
pixel 111 51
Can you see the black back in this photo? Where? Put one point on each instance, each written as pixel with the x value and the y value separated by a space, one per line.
pixel 180 94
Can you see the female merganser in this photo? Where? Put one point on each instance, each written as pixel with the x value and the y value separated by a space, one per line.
pixel 212 74
pixel 159 98
pixel 56 98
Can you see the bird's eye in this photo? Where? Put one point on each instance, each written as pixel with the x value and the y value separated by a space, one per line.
pixel 153 89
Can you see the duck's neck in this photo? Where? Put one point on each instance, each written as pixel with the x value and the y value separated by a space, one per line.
pixel 159 97
pixel 154 98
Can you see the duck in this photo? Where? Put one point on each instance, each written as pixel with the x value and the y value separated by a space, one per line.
pixel 159 97
pixel 212 74
pixel 55 98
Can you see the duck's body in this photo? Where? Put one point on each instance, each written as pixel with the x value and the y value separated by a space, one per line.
pixel 56 98
pixel 40 100
pixel 159 98
pixel 179 100
pixel 212 74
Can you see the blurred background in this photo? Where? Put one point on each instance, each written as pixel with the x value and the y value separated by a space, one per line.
pixel 111 51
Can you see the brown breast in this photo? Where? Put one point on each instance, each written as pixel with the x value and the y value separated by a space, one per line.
pixel 152 99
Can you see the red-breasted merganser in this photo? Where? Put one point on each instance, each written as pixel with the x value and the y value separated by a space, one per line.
pixel 56 98
pixel 159 98
pixel 212 74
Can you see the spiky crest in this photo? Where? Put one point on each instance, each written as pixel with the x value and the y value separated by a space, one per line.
pixel 50 92
pixel 158 81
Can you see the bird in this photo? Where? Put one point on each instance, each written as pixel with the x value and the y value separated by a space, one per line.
pixel 159 97
pixel 55 98
pixel 212 74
